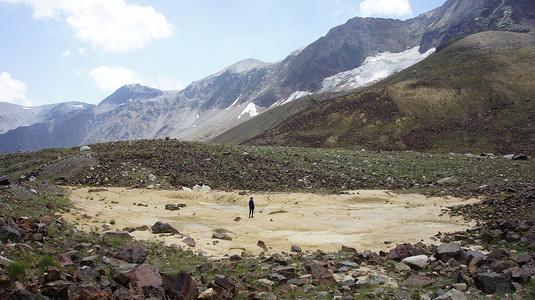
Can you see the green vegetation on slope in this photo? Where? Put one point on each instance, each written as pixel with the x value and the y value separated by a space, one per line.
pixel 476 95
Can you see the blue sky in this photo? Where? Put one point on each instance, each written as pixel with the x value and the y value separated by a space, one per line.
pixel 82 50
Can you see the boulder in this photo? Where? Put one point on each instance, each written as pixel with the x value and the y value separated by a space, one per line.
pixel 85 148
pixel 262 245
pixel 321 275
pixel 520 156
pixel 171 207
pixel 263 284
pixel 295 248
pixel 160 227
pixel 94 293
pixel 453 294
pixel 288 272
pixel 133 254
pixel 492 283
pixel 403 251
pixel 180 286
pixel 224 287
pixel 445 252
pixel 416 262
pixel 143 276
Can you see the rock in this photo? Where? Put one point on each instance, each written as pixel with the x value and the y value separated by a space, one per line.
pixel 221 236
pixel 263 284
pixel 160 227
pixel 235 257
pixel 378 279
pixel 55 289
pixel 321 275
pixel 295 248
pixel 509 156
pixel 237 219
pixel 277 278
pixel 224 287
pixel 180 286
pixel 52 274
pixel 416 262
pixel 65 260
pixel 4 180
pixel 133 254
pixel 521 274
pixel 445 252
pixel 453 294
pixel 418 280
pixel 9 233
pixel 288 272
pixel 189 241
pixel 129 229
pixel 208 294
pixel 171 207
pixel 520 156
pixel 94 293
pixel 492 283
pixel 97 190
pixel 460 286
pixel 152 177
pixel 4 261
pixel 143 276
pixel 85 148
pixel 348 249
pixel 448 181
pixel 262 245
pixel 403 251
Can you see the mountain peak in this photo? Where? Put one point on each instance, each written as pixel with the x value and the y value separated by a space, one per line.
pixel 131 92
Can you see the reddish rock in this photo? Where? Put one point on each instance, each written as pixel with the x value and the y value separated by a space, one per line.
pixel 143 276
pixel 189 241
pixel 445 252
pixel 418 280
pixel 65 260
pixel 320 274
pixel 52 274
pixel 224 287
pixel 55 289
pixel 180 286
pixel 94 293
pixel 403 251
pixel 133 254
pixel 492 283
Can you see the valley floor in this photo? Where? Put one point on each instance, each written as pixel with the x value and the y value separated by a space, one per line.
pixel 364 219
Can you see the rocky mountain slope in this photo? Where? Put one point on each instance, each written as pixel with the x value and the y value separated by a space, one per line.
pixel 219 102
pixel 473 95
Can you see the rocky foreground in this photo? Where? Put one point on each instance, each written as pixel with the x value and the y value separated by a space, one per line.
pixel 44 257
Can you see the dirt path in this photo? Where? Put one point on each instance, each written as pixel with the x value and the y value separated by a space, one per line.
pixel 360 219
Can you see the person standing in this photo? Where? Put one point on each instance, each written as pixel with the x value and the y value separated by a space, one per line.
pixel 251 208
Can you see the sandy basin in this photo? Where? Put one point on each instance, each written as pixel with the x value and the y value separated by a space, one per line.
pixel 360 219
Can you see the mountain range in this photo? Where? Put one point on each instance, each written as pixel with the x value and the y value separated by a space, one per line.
pixel 348 58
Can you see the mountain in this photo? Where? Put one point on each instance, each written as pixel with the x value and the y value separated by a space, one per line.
pixel 476 94
pixel 13 115
pixel 349 56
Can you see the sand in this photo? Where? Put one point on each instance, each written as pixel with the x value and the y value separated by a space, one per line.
pixel 360 219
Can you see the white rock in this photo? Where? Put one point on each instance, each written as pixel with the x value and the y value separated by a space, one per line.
pixel 85 148
pixel 448 180
pixel 208 294
pixel 152 177
pixel 452 295
pixel 416 262
pixel 205 189
pixel 186 189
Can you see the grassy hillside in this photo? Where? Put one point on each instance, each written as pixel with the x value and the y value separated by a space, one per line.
pixel 475 95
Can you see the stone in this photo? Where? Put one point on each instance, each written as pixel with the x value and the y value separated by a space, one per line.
pixel 208 294
pixel 263 284
pixel 262 245
pixel 171 207
pixel 492 283
pixel 224 287
pixel 180 286
pixel 460 286
pixel 85 148
pixel 520 156
pixel 321 275
pixel 418 280
pixel 348 249
pixel 4 181
pixel 287 271
pixel 55 289
pixel 452 294
pixel 152 177
pixel 221 236
pixel 189 241
pixel 277 278
pixel 403 251
pixel 52 274
pixel 448 181
pixel 447 251
pixel 144 276
pixel 94 293
pixel 416 262
pixel 119 234
pixel 4 261
pixel 133 254
pixel 295 249
pixel 160 227
pixel 522 274
pixel 9 233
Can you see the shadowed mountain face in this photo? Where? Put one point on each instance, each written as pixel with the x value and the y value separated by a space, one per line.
pixel 238 93
pixel 474 95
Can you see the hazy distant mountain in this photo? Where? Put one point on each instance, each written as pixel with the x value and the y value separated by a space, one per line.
pixel 347 57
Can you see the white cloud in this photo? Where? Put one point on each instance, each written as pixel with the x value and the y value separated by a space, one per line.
pixel 109 79
pixel 66 53
pixel 385 8
pixel 111 25
pixel 12 89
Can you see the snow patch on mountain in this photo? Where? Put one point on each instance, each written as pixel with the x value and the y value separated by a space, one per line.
pixel 242 66
pixel 374 68
pixel 251 109
pixel 292 97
